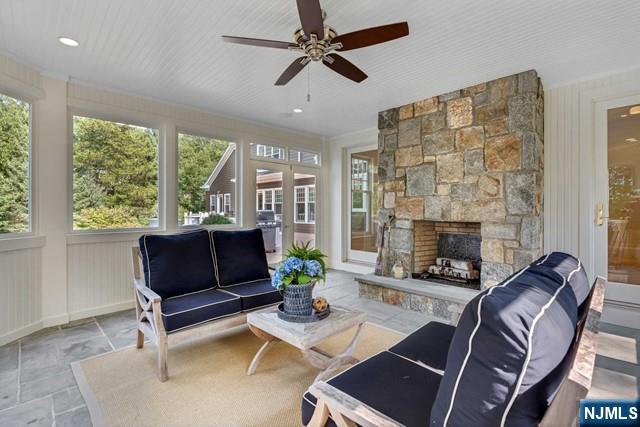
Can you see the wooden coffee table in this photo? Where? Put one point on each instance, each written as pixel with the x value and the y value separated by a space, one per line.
pixel 267 326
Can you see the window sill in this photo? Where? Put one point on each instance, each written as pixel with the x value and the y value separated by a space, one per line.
pixel 21 243
pixel 113 236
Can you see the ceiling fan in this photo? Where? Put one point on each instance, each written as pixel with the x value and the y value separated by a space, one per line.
pixel 318 42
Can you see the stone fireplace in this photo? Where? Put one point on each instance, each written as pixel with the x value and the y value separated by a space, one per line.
pixel 466 162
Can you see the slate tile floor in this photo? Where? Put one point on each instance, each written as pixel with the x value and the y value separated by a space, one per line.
pixel 37 387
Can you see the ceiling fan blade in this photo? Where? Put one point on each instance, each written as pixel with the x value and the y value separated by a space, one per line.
pixel 344 67
pixel 259 42
pixel 311 17
pixel 292 70
pixel 371 36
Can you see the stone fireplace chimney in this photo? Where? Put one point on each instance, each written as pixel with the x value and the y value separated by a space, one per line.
pixel 472 156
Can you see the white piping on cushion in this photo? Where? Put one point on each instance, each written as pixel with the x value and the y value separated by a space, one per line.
pixel 204 321
pixel 250 281
pixel 146 254
pixel 190 293
pixel 530 341
pixel 198 308
pixel 473 334
pixel 419 363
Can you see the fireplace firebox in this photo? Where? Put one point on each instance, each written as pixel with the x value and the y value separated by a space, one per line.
pixel 448 252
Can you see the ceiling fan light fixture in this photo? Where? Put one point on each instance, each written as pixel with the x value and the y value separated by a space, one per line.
pixel 297 110
pixel 631 140
pixel 68 41
pixel 634 110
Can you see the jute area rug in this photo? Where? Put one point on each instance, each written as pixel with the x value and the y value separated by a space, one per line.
pixel 208 384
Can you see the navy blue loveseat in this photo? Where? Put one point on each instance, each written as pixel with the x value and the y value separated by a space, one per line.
pixel 195 278
pixel 508 359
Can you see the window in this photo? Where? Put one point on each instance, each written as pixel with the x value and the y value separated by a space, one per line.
pixel 360 191
pixel 267 151
pixel 269 199
pixel 305 204
pixel 115 175
pixel 305 157
pixel 363 198
pixel 227 203
pixel 206 166
pixel 15 137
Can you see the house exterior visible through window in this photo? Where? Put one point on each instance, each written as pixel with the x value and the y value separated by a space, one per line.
pixel 220 186
pixel 305 197
pixel 15 182
pixel 269 200
pixel 267 151
pixel 115 175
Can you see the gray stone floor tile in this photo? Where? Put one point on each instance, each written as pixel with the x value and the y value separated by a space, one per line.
pixel 9 357
pixel 81 333
pixel 67 399
pixel 33 414
pixel 114 323
pixel 75 351
pixel 77 418
pixel 31 390
pixel 124 338
pixel 609 384
pixel 8 389
pixel 33 374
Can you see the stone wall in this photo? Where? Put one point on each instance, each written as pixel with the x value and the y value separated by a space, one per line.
pixel 472 155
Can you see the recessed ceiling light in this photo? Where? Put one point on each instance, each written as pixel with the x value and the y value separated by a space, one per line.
pixel 623 115
pixel 297 110
pixel 68 41
pixel 635 110
pixel 631 140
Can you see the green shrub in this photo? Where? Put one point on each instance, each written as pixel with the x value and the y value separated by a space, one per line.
pixel 104 217
pixel 215 219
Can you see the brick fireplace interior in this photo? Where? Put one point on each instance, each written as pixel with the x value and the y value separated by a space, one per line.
pixel 456 240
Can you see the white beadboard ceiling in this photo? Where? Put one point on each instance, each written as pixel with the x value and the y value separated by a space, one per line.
pixel 171 50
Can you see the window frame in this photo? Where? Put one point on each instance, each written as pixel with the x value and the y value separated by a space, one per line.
pixel 287 152
pixel 131 120
pixel 299 162
pixel 306 203
pixel 31 232
pixel 237 184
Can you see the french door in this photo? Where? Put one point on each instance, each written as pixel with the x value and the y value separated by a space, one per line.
pixel 617 216
pixel 362 174
pixel 286 206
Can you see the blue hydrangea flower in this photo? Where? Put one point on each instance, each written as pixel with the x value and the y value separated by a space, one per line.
pixel 312 268
pixel 276 279
pixel 292 264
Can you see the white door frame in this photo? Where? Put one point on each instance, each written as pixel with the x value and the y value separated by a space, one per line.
pixel 617 293
pixel 355 255
pixel 589 247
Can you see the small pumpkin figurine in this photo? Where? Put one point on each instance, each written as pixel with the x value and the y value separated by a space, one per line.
pixel 320 304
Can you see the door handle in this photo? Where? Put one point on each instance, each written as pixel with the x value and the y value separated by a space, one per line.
pixel 600 214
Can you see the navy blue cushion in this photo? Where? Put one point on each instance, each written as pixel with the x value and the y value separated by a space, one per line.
pixel 399 388
pixel 509 340
pixel 240 256
pixel 178 264
pixel 309 402
pixel 255 294
pixel 199 307
pixel 428 345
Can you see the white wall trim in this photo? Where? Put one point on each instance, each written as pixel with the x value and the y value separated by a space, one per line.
pixel 103 309
pixel 21 243
pixel 20 333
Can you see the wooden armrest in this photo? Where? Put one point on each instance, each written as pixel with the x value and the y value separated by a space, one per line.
pixel 147 292
pixel 341 406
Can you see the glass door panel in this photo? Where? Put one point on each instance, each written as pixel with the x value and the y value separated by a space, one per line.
pixel 363 180
pixel 623 161
pixel 269 211
pixel 304 215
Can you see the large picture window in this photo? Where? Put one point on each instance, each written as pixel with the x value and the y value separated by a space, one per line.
pixel 206 180
pixel 115 175
pixel 14 165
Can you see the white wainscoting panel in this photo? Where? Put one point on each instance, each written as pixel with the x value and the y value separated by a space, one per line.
pixel 100 278
pixel 20 293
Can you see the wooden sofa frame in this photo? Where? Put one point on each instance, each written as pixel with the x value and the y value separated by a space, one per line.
pixel 347 411
pixel 149 317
